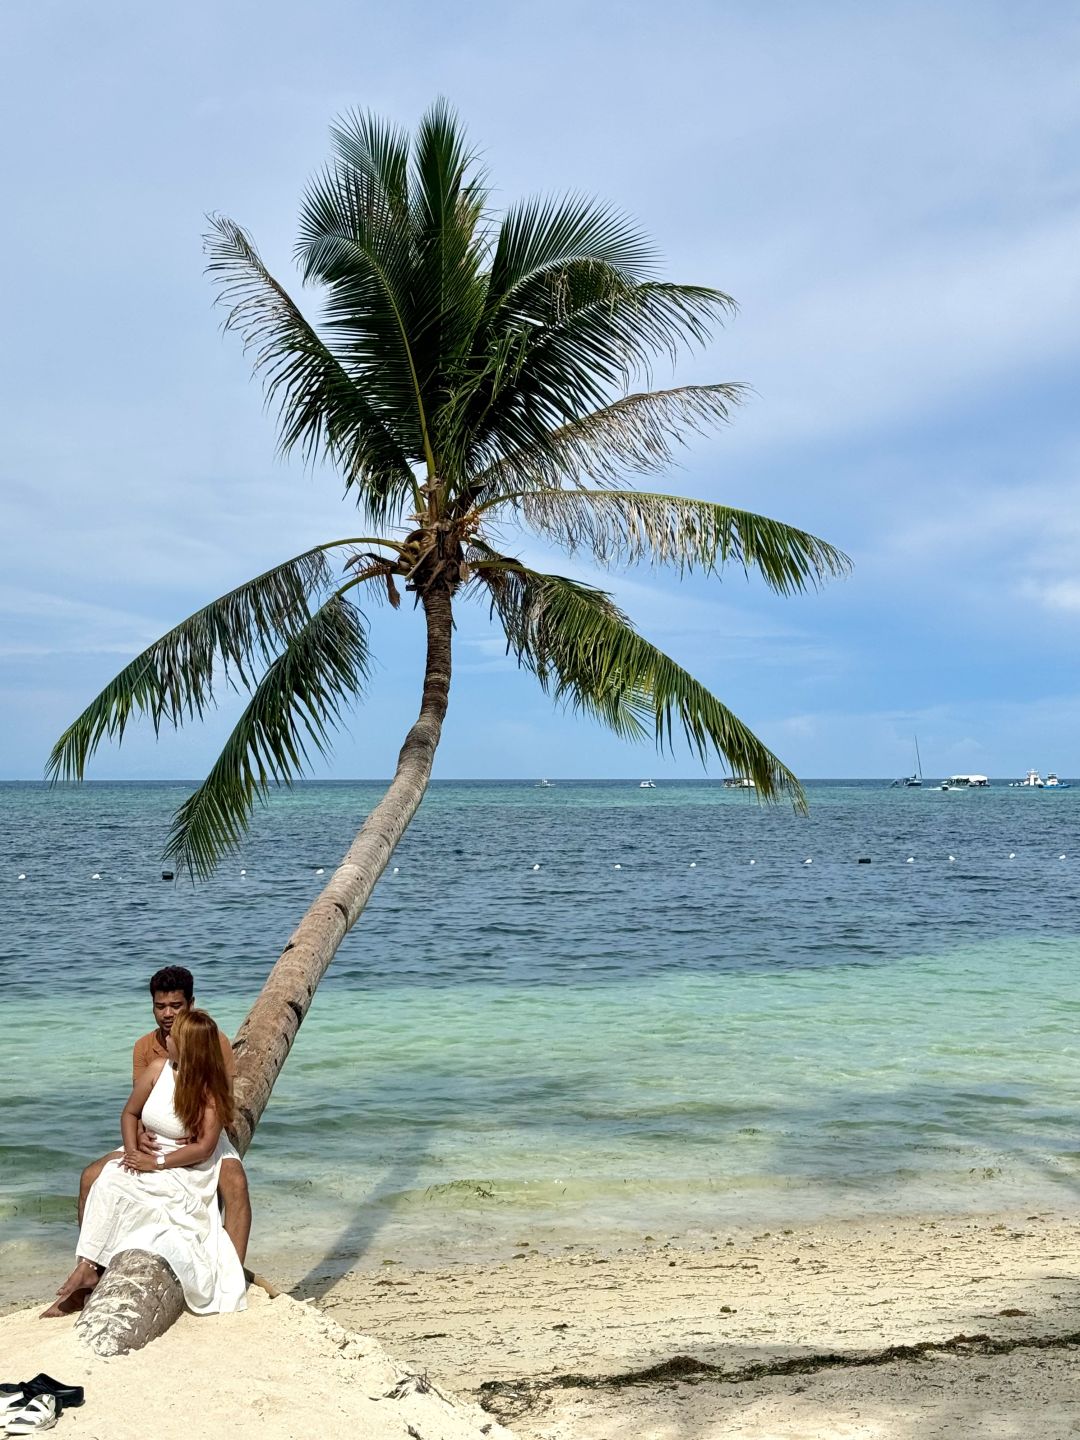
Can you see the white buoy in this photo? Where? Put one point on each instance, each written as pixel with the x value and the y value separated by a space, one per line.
pixel 808 861
pixel 693 864
pixel 95 876
pixel 951 859
pixel 753 862
pixel 910 860
pixel 1061 857
pixel 22 877
pixel 618 867
pixel 1012 854
pixel 243 872
pixel 319 871
pixel 395 869
pixel 536 867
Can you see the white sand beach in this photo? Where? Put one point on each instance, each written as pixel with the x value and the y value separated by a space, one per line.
pixel 988 1308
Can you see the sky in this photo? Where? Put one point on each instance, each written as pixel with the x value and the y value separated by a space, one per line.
pixel 889 191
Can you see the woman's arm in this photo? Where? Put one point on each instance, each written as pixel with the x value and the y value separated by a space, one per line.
pixel 129 1116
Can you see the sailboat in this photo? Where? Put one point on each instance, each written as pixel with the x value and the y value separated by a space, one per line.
pixel 914 781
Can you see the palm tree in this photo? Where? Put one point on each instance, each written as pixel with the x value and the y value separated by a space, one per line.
pixel 470 371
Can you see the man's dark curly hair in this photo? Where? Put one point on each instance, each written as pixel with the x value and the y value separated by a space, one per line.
pixel 173 977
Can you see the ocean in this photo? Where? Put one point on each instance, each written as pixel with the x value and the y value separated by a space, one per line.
pixel 697 1012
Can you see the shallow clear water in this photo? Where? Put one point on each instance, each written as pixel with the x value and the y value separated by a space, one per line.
pixel 580 1049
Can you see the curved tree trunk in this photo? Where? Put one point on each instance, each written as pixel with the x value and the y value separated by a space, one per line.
pixel 139 1297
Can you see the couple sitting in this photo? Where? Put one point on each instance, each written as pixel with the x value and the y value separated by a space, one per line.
pixel 160 1192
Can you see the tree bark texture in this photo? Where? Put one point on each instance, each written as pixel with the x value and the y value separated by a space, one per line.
pixel 139 1297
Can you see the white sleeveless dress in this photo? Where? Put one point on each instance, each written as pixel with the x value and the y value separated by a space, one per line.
pixel 171 1213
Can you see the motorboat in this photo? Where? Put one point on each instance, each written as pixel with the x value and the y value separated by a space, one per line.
pixel 543 785
pixel 1053 783
pixel 965 782
pixel 739 782
pixel 646 785
pixel 1031 781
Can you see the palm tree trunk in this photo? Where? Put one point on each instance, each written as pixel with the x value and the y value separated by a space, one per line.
pixel 139 1297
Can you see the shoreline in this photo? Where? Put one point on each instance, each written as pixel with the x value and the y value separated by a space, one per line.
pixel 784 1334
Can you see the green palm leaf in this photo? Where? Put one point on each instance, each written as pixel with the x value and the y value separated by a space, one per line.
pixel 297 703
pixel 322 407
pixel 636 434
pixel 175 676
pixel 624 526
pixel 584 651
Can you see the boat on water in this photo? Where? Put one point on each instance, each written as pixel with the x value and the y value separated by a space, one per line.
pixel 914 780
pixel 964 782
pixel 1034 781
pixel 544 785
pixel 1053 783
pixel 739 782
pixel 646 785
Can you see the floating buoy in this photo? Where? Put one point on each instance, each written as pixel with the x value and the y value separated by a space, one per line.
pixel 536 867
pixel 753 862
pixel 1012 854
pixel 22 877
pixel 166 874
pixel 910 860
pixel 395 869
pixel 951 859
pixel 618 867
pixel 693 864
pixel 319 871
pixel 808 861
pixel 243 872
pixel 1061 857
pixel 862 860
pixel 95 876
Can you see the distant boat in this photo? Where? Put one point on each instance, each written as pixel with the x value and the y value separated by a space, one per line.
pixel 544 785
pixel 646 785
pixel 965 782
pixel 1031 781
pixel 739 782
pixel 1053 783
pixel 913 781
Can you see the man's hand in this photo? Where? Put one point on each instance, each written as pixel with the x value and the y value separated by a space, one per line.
pixel 147 1141
pixel 137 1160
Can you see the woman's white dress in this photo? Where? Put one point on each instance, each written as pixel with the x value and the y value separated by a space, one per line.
pixel 171 1213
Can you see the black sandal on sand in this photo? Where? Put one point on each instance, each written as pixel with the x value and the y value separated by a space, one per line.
pixel 71 1396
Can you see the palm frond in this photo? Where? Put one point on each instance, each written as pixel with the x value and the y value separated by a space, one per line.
pixel 175 676
pixel 624 526
pixel 584 651
pixel 322 408
pixel 296 704
pixel 636 434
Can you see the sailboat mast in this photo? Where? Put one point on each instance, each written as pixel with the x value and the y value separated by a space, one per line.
pixel 918 758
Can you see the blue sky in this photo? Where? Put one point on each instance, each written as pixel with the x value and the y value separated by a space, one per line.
pixel 890 192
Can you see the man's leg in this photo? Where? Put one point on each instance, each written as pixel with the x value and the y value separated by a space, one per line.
pixel 233 1192
pixel 87 1178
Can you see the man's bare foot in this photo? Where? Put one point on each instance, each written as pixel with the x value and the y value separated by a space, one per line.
pixel 75 1290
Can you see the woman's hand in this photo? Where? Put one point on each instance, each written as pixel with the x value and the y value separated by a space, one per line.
pixel 136 1160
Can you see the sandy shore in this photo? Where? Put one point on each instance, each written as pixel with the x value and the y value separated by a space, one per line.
pixel 784 1335
pixel 776 1299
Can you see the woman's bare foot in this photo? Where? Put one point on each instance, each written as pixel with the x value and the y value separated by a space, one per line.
pixel 75 1290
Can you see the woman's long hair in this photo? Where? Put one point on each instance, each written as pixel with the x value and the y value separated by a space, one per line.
pixel 201 1077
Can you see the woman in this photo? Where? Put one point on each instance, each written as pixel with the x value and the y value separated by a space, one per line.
pixel 167 1203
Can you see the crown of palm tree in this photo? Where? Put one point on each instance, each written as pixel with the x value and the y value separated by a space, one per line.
pixel 468 369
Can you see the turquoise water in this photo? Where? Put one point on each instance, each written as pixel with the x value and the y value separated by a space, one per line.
pixel 684 1042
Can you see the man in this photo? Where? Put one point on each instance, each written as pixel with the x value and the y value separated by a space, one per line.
pixel 172 991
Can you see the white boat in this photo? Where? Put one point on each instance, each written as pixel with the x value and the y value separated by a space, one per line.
pixel 914 780
pixel 739 782
pixel 646 785
pixel 1031 781
pixel 543 785
pixel 965 782
pixel 1053 783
